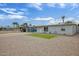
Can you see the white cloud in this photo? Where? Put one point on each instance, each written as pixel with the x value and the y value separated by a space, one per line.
pixel 12 14
pixel 62 5
pixel 12 17
pixel 70 19
pixel 54 21
pixel 57 21
pixel 50 20
pixel 16 16
pixel 43 18
pixel 73 20
pixel 51 4
pixel 36 5
pixel 39 6
pixel 12 11
pixel 8 10
pixel 24 9
pixel 2 17
pixel 74 5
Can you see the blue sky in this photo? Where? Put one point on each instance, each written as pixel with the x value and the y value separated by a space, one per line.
pixel 37 13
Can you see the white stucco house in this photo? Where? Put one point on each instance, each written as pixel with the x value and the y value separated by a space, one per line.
pixel 66 29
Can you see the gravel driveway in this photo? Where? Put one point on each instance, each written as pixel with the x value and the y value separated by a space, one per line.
pixel 20 44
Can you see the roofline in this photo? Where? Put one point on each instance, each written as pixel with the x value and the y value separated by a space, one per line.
pixel 57 25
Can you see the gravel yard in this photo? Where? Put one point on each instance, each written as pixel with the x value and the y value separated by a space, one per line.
pixel 20 44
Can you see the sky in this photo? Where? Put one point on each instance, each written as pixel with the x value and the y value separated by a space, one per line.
pixel 38 13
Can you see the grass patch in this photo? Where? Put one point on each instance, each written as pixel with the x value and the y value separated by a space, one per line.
pixel 46 36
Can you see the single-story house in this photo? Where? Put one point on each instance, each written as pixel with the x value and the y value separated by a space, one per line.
pixel 66 29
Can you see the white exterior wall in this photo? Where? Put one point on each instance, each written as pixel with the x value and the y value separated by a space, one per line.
pixel 40 30
pixel 78 29
pixel 69 30
pixel 74 29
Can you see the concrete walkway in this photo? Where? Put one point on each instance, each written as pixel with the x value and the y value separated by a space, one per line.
pixel 16 44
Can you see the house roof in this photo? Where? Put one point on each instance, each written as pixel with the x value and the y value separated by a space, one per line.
pixel 56 25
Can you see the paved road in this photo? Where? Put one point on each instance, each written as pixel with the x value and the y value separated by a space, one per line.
pixel 20 44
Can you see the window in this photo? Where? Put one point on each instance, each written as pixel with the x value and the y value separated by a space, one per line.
pixel 63 29
pixel 46 28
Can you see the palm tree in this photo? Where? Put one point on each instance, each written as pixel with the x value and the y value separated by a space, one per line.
pixel 63 17
pixel 15 24
pixel 25 25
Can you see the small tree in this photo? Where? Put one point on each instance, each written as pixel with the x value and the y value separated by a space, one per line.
pixel 69 22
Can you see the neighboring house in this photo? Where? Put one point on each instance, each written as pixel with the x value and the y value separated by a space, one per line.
pixel 31 29
pixel 40 29
pixel 26 28
pixel 67 29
